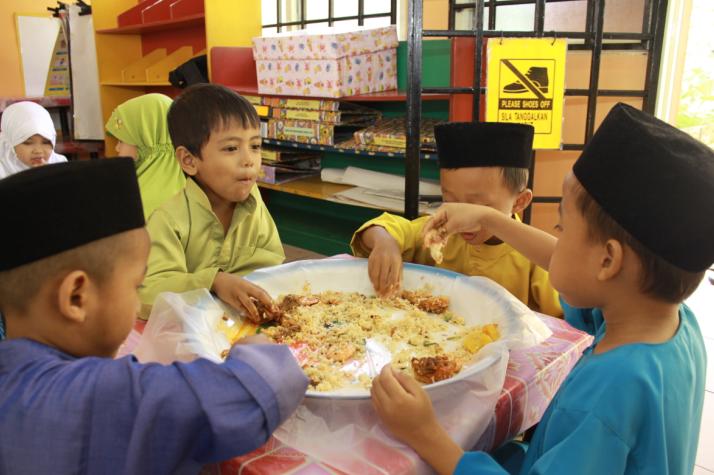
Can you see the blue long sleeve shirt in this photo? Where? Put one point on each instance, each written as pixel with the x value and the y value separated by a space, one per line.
pixel 633 410
pixel 61 414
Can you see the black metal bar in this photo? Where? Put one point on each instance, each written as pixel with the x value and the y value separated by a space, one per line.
pixel 452 14
pixel 492 14
pixel 411 161
pixel 529 34
pixel 609 47
pixel 659 12
pixel 595 27
pixel 393 13
pixel 468 6
pixel 539 18
pixel 360 12
pixel 278 13
pixel 572 146
pixel 477 26
pixel 568 92
pixel 323 20
pixel 330 12
pixel 303 13
pixel 546 199
pixel 647 20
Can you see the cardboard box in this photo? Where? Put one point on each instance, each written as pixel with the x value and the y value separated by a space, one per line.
pixel 329 63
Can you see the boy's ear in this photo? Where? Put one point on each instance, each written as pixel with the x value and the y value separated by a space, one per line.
pixel 75 295
pixel 522 201
pixel 610 260
pixel 187 161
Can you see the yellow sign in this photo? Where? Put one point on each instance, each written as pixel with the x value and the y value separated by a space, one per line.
pixel 526 83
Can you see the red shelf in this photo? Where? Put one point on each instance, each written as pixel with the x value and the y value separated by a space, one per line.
pixel 190 20
pixel 386 96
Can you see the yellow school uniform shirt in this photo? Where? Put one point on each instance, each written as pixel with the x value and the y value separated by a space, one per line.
pixel 189 245
pixel 500 263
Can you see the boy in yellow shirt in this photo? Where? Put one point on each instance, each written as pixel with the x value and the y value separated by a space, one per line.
pixel 217 228
pixel 481 163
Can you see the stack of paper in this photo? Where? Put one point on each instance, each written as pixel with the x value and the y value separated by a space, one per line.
pixel 379 190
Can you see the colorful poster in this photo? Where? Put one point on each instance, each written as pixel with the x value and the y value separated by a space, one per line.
pixel 526 84
pixel 58 74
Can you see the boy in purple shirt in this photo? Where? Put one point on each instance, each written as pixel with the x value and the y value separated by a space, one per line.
pixel 69 273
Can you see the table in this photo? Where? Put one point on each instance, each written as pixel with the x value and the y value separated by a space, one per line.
pixel 532 379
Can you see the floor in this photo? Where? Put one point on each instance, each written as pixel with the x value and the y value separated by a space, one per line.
pixel 702 303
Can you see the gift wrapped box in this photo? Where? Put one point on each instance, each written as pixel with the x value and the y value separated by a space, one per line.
pixel 327 63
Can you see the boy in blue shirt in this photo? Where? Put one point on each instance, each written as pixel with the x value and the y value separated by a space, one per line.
pixel 635 240
pixel 69 274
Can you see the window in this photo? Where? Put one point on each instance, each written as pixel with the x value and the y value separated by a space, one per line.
pixel 289 15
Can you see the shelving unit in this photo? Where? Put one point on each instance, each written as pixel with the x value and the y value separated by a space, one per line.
pixel 299 204
pixel 171 41
pixel 621 64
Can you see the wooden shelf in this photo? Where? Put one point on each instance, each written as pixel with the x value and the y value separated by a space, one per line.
pixel 134 84
pixel 191 20
pixel 386 96
pixel 345 151
pixel 311 187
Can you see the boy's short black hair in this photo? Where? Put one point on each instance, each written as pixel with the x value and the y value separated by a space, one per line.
pixel 659 279
pixel 204 108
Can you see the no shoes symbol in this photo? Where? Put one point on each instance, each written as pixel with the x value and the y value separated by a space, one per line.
pixel 533 81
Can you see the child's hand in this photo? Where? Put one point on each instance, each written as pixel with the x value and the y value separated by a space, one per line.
pixel 403 406
pixel 237 292
pixel 385 267
pixel 452 218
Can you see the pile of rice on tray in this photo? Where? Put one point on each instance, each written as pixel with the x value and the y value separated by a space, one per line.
pixel 331 331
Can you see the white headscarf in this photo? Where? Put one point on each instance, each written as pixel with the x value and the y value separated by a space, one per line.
pixel 20 121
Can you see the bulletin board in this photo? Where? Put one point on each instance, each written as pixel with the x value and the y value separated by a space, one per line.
pixel 36 37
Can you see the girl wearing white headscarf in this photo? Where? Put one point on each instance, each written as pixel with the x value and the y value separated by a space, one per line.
pixel 27 138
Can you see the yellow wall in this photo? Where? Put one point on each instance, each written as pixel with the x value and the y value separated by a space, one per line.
pixel 11 83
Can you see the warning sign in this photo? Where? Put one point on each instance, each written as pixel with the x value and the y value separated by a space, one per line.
pixel 526 82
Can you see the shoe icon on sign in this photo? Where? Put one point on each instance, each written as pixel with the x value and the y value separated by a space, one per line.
pixel 537 76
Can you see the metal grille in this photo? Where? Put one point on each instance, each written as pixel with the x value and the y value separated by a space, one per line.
pixel 593 39
pixel 281 25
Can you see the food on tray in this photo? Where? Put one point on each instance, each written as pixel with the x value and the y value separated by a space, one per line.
pixel 435 240
pixel 265 314
pixel 431 369
pixel 481 337
pixel 425 301
pixel 342 339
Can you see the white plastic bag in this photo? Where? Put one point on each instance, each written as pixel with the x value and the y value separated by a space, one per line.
pixel 182 327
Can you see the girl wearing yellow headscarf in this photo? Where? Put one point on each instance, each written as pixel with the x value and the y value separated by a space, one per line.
pixel 141 128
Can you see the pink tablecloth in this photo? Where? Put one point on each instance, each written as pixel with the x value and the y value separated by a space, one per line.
pixel 532 378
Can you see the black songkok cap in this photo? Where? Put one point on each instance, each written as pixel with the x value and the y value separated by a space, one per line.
pixel 484 144
pixel 656 182
pixel 55 208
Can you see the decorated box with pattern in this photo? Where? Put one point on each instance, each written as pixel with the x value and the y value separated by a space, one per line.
pixel 327 63
pixel 390 133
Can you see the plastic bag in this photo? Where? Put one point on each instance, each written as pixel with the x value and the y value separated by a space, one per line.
pixel 182 327
pixel 342 430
